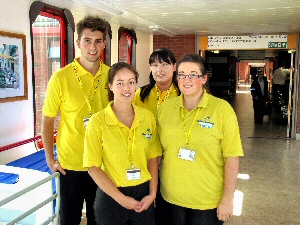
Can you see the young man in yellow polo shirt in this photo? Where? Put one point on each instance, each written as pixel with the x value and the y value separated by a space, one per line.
pixel 76 92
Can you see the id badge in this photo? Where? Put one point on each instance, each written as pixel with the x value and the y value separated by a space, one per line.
pixel 133 174
pixel 186 154
pixel 86 121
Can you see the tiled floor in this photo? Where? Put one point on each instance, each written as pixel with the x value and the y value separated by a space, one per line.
pixel 272 161
pixel 271 195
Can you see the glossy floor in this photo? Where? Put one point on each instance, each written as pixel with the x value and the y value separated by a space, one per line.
pixel 269 172
pixel 271 195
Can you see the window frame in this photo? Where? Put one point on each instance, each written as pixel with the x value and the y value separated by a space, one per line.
pixel 67 29
pixel 132 53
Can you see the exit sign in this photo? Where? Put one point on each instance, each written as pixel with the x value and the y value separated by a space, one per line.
pixel 277 45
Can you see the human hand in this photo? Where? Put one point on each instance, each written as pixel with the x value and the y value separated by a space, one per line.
pixel 55 166
pixel 146 202
pixel 130 203
pixel 225 210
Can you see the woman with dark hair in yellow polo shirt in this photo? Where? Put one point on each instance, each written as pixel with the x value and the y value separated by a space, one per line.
pixel 163 85
pixel 163 81
pixel 201 148
pixel 121 150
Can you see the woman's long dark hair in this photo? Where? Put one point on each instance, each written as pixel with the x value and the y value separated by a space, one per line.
pixel 160 55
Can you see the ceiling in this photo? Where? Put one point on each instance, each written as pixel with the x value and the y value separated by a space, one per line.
pixel 199 17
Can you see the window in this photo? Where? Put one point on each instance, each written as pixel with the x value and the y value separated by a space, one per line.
pixel 52 37
pixel 127 46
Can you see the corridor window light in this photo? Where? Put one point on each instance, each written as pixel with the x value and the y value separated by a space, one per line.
pixel 243 176
pixel 238 203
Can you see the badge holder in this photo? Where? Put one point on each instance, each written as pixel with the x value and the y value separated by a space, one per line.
pixel 186 154
pixel 133 174
pixel 86 121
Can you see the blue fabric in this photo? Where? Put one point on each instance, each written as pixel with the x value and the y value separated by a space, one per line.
pixel 35 161
pixel 8 178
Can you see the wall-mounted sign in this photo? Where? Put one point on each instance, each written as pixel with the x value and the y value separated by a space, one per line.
pixel 247 42
pixel 278 45
pixel 217 59
pixel 251 55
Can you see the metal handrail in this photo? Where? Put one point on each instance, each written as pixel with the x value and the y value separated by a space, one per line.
pixel 10 146
pixel 40 205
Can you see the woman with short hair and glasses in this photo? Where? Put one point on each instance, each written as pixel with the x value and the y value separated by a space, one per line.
pixel 201 144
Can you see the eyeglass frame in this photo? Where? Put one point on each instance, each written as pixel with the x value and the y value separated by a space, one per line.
pixel 192 76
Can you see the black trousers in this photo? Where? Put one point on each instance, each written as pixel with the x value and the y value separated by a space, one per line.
pixel 259 109
pixel 160 211
pixel 110 212
pixel 177 215
pixel 75 187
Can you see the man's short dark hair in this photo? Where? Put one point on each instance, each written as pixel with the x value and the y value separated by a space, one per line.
pixel 93 23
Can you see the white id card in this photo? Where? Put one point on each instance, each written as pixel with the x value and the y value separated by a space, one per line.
pixel 186 154
pixel 86 121
pixel 133 174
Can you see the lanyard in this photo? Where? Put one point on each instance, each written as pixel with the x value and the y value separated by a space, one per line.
pixel 130 154
pixel 158 95
pixel 80 83
pixel 188 134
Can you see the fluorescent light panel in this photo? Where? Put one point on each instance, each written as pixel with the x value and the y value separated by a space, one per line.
pixel 101 5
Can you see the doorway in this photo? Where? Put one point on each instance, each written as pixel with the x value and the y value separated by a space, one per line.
pixel 240 72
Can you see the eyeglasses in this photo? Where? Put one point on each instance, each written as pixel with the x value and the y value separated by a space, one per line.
pixel 192 76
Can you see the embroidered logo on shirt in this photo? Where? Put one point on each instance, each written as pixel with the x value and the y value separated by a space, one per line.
pixel 205 123
pixel 148 135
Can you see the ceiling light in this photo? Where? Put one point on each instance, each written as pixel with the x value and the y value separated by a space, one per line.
pixel 101 5
pixel 154 27
pixel 162 30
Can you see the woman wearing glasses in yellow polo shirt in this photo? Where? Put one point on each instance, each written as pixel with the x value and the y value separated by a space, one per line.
pixel 121 151
pixel 163 82
pixel 201 148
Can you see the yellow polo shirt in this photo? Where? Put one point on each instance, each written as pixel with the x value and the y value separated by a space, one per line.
pixel 105 146
pixel 215 136
pixel 64 95
pixel 151 101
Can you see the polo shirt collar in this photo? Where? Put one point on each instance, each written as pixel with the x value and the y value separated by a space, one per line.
pixel 82 71
pixel 172 88
pixel 111 118
pixel 202 104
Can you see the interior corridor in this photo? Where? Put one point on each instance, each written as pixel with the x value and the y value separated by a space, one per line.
pixel 269 172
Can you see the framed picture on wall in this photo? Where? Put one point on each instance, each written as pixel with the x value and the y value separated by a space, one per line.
pixel 13 70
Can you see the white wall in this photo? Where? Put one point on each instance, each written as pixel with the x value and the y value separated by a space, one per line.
pixel 16 118
pixel 144 48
